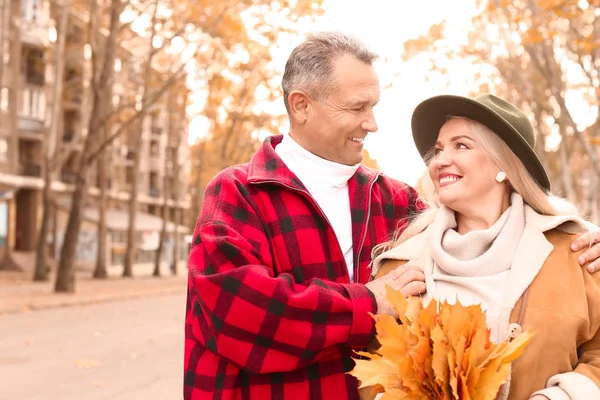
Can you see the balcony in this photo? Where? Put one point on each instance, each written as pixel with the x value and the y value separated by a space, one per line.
pixel 34 22
pixel 30 128
pixel 154 192
pixel 33 103
pixel 32 170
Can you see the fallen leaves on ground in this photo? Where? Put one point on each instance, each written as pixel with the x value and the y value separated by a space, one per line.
pixel 99 383
pixel 441 352
pixel 87 363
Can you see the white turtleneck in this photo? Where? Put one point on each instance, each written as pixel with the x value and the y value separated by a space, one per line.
pixel 327 182
pixel 474 267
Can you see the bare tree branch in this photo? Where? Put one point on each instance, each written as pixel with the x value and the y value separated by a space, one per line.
pixel 177 75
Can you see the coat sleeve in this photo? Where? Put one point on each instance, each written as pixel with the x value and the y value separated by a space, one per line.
pixel 584 381
pixel 239 309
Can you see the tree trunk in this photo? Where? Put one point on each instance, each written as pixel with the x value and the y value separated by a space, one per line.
pixel 101 271
pixel 165 219
pixel 132 243
pixel 65 277
pixel 163 237
pixel 593 199
pixel 566 172
pixel 131 249
pixel 176 239
pixel 4 25
pixel 41 260
pixel 65 274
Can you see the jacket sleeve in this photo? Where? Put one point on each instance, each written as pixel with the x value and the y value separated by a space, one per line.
pixel 584 381
pixel 239 309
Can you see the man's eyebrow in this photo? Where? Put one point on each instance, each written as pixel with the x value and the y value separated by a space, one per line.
pixel 363 101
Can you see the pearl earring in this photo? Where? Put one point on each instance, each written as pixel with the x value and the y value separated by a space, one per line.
pixel 501 177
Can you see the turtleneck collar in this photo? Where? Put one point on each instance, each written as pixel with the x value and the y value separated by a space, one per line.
pixel 310 168
pixel 479 252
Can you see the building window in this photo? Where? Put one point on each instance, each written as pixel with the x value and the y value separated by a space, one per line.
pixel 3 150
pixel 33 65
pixel 153 180
pixel 30 9
pixel 4 100
pixel 154 148
pixel 129 176
pixel 33 104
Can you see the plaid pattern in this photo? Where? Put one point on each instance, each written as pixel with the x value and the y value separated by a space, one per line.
pixel 271 313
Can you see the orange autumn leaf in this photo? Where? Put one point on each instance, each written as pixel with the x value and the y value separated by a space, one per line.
pixel 440 352
pixel 379 370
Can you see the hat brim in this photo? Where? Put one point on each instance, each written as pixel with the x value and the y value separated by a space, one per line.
pixel 431 114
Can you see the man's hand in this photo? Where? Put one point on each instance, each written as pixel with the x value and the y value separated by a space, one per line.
pixel 409 279
pixel 592 253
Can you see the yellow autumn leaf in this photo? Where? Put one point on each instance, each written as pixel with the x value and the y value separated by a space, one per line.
pixel 437 353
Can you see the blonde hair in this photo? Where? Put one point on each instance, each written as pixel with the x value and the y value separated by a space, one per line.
pixel 499 154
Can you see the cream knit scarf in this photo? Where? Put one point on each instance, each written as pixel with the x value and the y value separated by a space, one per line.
pixel 477 253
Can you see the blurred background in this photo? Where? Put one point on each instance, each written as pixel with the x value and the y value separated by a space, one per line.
pixel 115 114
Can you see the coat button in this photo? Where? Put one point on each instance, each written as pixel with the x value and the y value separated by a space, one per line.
pixel 514 330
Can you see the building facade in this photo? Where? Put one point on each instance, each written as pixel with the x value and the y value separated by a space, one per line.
pixel 27 81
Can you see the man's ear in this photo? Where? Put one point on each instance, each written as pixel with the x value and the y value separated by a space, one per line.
pixel 300 105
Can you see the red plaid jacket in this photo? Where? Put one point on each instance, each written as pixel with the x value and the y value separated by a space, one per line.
pixel 271 313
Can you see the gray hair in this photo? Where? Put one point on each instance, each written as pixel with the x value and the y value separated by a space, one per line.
pixel 309 68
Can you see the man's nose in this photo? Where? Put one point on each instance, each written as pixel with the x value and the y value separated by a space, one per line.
pixel 370 124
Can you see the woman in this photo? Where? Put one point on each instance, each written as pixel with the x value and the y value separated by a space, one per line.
pixel 495 237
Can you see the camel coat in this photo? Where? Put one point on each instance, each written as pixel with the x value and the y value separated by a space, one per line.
pixel 549 293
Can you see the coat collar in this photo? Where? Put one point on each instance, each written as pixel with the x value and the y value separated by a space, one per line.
pixel 532 251
pixel 266 166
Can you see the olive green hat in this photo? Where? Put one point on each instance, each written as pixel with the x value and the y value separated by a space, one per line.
pixel 506 120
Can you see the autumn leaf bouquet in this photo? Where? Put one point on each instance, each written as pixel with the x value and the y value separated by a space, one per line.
pixel 441 352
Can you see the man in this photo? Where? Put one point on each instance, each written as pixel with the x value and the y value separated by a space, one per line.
pixel 279 290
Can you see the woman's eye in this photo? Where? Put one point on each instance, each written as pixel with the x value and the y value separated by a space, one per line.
pixel 437 151
pixel 461 146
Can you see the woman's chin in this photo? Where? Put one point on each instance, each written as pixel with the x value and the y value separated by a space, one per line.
pixel 450 201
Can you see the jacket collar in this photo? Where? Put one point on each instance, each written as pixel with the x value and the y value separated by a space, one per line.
pixel 266 166
pixel 531 254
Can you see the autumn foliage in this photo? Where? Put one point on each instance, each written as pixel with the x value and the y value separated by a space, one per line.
pixel 440 352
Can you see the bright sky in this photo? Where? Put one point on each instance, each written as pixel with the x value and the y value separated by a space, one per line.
pixel 384 25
